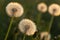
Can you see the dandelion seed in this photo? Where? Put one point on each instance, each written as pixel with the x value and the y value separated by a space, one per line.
pixel 42 7
pixel 27 26
pixel 55 37
pixel 14 9
pixel 54 9
pixel 45 35
pixel 58 35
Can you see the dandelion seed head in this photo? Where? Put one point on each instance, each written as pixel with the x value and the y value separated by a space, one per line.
pixel 27 26
pixel 54 9
pixel 46 35
pixel 14 9
pixel 42 7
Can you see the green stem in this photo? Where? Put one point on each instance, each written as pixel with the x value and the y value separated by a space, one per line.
pixel 38 23
pixel 37 36
pixel 16 36
pixel 24 37
pixel 39 18
pixel 50 25
pixel 10 25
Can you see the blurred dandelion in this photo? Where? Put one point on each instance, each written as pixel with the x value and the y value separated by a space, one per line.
pixel 14 9
pixel 55 37
pixel 42 7
pixel 45 36
pixel 27 26
pixel 58 37
pixel 54 9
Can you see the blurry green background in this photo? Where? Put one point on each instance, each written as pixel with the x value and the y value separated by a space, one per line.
pixel 31 12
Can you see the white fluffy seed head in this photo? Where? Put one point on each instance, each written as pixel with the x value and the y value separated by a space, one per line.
pixel 27 26
pixel 54 9
pixel 46 35
pixel 42 7
pixel 14 9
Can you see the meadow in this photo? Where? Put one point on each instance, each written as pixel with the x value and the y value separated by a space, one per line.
pixel 41 21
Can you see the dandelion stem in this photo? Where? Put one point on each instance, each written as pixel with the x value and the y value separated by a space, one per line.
pixel 24 37
pixel 37 36
pixel 10 25
pixel 38 18
pixel 16 36
pixel 50 24
pixel 38 22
